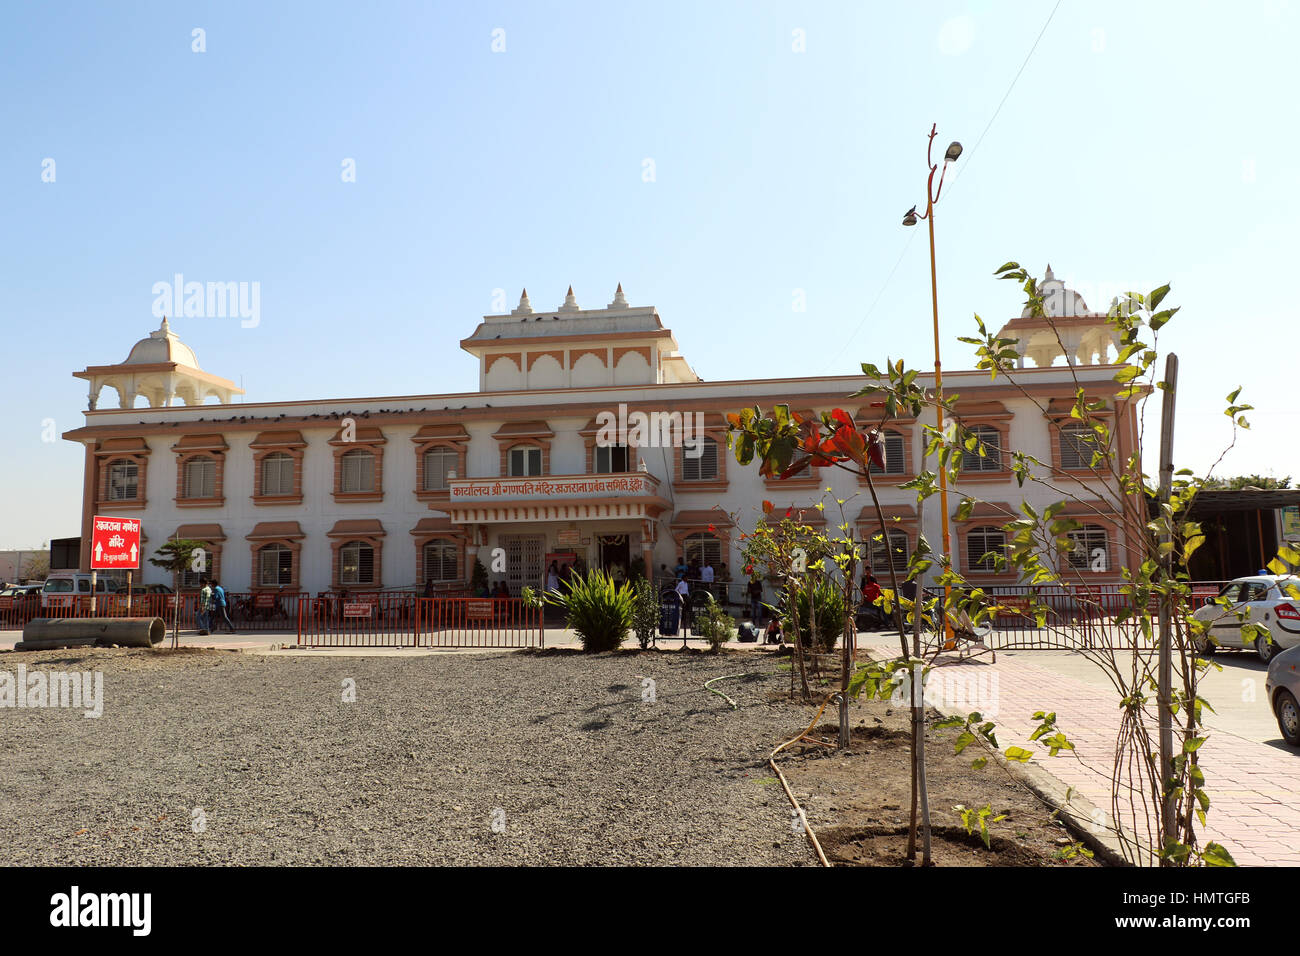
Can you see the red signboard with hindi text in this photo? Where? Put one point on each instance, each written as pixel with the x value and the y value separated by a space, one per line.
pixel 114 544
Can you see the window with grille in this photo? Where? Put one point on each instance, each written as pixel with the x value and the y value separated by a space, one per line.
pixel 610 459
pixel 897 550
pixel 981 541
pixel 356 563
pixel 1088 541
pixel 123 481
pixel 440 561
pixel 439 465
pixel 1077 447
pixel 894 452
pixel 525 461
pixel 991 440
pixel 274 566
pixel 277 474
pixel 703 467
pixel 200 478
pixel 193 579
pixel 358 472
pixel 706 547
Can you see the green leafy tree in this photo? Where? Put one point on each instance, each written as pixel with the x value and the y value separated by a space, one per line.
pixel 1155 814
pixel 177 556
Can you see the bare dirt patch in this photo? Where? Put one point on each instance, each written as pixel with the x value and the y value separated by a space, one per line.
pixel 859 802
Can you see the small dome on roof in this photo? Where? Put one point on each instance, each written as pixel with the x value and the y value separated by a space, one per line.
pixel 1058 301
pixel 162 346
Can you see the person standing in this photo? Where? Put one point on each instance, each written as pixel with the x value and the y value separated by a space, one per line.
pixel 756 600
pixel 706 575
pixel 553 577
pixel 220 605
pixel 683 591
pixel 205 606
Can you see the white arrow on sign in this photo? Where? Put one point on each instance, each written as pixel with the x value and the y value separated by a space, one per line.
pixel 133 554
pixel 99 551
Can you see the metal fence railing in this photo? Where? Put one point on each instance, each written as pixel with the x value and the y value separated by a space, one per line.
pixel 409 621
pixel 256 611
pixel 1074 616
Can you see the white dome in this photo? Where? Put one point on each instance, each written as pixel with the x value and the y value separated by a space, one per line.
pixel 1058 301
pixel 162 346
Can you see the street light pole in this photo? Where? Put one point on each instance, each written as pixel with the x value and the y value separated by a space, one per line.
pixel 931 197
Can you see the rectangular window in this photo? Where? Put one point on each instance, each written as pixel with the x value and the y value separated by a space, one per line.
pixel 440 561
pixel 990 439
pixel 611 459
pixel 703 467
pixel 525 462
pixel 895 459
pixel 979 543
pixel 277 474
pixel 1076 447
pixel 123 481
pixel 897 550
pixel 200 478
pixel 276 566
pixel 356 564
pixel 705 548
pixel 439 466
pixel 358 472
pixel 1090 551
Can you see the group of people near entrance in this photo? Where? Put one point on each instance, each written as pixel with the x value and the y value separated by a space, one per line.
pixel 214 607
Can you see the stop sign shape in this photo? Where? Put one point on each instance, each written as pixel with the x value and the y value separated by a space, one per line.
pixel 114 544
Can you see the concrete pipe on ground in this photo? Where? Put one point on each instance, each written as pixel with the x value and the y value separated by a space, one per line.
pixel 48 633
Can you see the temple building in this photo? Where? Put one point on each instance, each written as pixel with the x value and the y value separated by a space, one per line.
pixel 386 493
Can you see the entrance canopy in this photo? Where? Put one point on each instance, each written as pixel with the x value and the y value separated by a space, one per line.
pixel 633 495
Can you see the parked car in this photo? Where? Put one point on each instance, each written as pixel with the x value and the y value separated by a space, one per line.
pixel 138 589
pixel 20 596
pixel 1282 691
pixel 62 588
pixel 1260 599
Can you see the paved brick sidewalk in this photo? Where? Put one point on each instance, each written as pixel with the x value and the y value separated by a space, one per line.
pixel 1254 787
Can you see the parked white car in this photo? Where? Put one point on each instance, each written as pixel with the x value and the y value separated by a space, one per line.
pixel 62 588
pixel 1282 687
pixel 1262 599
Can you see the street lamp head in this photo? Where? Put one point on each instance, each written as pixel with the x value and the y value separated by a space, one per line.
pixel 910 218
pixel 954 150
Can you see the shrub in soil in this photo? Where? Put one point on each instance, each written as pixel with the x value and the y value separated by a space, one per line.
pixel 714 624
pixel 829 605
pixel 598 611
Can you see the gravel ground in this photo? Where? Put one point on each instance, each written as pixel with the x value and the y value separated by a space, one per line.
pixel 454 759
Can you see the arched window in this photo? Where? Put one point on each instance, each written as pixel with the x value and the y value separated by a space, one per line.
pixel 123 480
pixel 700 462
pixel 704 546
pixel 1078 444
pixel 440 561
pixel 277 474
pixel 990 439
pixel 895 454
pixel 358 471
pixel 1090 551
pixel 356 563
pixel 897 550
pixel 439 465
pixel 200 479
pixel 979 543
pixel 274 566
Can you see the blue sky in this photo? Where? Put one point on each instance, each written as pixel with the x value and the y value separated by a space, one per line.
pixel 1143 143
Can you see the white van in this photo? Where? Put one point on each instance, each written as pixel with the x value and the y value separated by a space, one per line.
pixel 62 588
